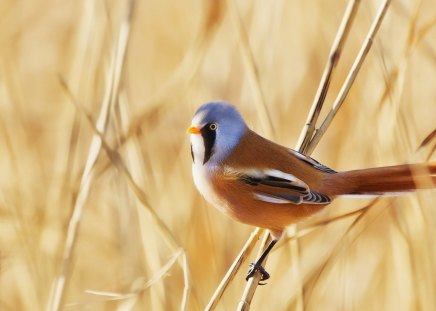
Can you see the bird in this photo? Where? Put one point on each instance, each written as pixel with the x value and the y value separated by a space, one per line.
pixel 258 182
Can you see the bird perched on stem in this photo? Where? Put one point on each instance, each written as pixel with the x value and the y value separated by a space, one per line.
pixel 258 182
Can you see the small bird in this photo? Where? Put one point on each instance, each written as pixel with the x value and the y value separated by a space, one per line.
pixel 258 182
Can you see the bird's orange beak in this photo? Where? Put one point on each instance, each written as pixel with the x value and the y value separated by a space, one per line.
pixel 193 130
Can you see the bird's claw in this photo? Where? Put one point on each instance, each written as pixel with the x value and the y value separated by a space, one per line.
pixel 257 267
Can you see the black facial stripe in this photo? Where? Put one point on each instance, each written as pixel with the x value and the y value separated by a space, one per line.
pixel 209 137
pixel 192 155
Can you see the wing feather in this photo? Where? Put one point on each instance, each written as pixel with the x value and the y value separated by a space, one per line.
pixel 314 163
pixel 274 186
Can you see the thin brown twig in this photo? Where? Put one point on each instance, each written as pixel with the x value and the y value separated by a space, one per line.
pixel 334 55
pixel 306 133
pixel 240 259
pixel 253 282
pixel 263 113
pixel 312 118
pixel 308 148
pixel 250 289
pixel 355 68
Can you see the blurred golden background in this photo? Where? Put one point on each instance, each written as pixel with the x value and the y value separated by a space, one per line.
pixel 63 73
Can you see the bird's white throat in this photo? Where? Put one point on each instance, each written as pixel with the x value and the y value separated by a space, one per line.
pixel 198 149
pixel 202 173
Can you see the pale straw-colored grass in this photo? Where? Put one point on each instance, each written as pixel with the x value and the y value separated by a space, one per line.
pixel 147 240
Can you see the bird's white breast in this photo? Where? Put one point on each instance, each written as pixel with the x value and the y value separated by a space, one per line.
pixel 202 175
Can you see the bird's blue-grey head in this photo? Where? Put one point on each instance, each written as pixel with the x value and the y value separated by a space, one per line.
pixel 216 129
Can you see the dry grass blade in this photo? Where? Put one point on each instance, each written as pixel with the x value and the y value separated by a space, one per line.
pixel 250 288
pixel 311 227
pixel 142 169
pixel 334 55
pixel 61 283
pixel 186 283
pixel 253 282
pixel 159 275
pixel 347 238
pixel 428 139
pixel 251 68
pixel 307 131
pixel 184 74
pixel 168 237
pixel 394 86
pixel 395 78
pixel 85 185
pixel 263 116
pixel 240 259
pixel 294 246
pixel 426 142
pixel 309 128
pixel 351 76
pixel 180 79
pixel 166 233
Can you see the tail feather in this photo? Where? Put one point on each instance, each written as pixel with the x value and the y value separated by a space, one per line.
pixel 380 180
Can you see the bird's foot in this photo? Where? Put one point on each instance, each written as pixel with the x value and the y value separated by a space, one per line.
pixel 254 267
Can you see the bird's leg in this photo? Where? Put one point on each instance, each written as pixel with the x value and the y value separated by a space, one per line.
pixel 257 266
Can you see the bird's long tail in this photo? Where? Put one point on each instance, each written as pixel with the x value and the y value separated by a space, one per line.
pixel 381 180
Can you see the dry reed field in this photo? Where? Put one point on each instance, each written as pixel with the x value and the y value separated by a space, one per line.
pixel 98 210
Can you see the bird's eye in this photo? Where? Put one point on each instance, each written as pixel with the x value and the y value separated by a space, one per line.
pixel 213 126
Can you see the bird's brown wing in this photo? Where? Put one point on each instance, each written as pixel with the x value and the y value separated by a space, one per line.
pixel 274 186
pixel 256 152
